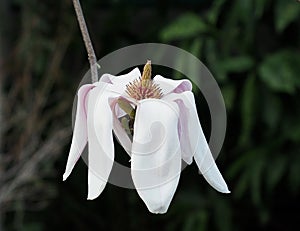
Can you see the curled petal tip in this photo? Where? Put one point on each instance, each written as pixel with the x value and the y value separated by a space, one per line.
pixel 222 189
pixel 215 179
pixel 65 176
pixel 227 192
pixel 95 191
pixel 89 198
pixel 93 195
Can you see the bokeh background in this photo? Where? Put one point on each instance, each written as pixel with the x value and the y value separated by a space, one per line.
pixel 251 47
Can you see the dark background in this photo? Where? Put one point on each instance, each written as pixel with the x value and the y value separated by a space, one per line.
pixel 252 49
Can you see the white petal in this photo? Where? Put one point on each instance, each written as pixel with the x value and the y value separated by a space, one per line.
pixel 119 131
pixel 187 151
pixel 197 142
pixel 156 158
pixel 119 112
pixel 172 86
pixel 101 147
pixel 79 139
pixel 120 82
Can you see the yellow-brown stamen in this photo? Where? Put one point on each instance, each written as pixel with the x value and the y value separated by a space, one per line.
pixel 147 71
pixel 144 87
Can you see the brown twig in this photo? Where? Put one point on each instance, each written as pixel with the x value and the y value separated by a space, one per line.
pixel 87 40
pixel 26 172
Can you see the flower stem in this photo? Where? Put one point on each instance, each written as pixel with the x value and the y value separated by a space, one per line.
pixel 87 40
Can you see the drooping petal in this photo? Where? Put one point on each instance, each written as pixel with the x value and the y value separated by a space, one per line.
pixel 101 147
pixel 79 139
pixel 172 86
pixel 195 140
pixel 156 157
pixel 119 131
pixel 121 81
pixel 186 149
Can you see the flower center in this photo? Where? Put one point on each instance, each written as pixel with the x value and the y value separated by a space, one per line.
pixel 144 87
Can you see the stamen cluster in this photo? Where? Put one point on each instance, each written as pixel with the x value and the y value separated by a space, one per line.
pixel 144 87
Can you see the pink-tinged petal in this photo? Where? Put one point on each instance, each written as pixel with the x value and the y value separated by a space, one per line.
pixel 187 151
pixel 118 111
pixel 197 144
pixel 172 86
pixel 156 157
pixel 100 143
pixel 107 78
pixel 119 131
pixel 120 82
pixel 185 144
pixel 79 139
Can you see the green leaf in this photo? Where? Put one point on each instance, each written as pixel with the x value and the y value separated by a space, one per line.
pixel 222 214
pixel 280 71
pixel 285 13
pixel 272 108
pixel 202 220
pixel 186 26
pixel 294 133
pixel 193 69
pixel 189 223
pixel 237 64
pixel 229 93
pixel 242 185
pixel 256 179
pixel 275 172
pixel 197 219
pixel 259 7
pixel 214 12
pixel 248 108
pixel 196 46
pixel 239 164
pixel 180 61
pixel 211 53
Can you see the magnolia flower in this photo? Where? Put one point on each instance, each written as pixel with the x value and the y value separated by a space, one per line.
pixel 156 122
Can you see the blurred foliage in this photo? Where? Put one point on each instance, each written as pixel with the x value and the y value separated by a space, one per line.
pixel 253 50
pixel 260 84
